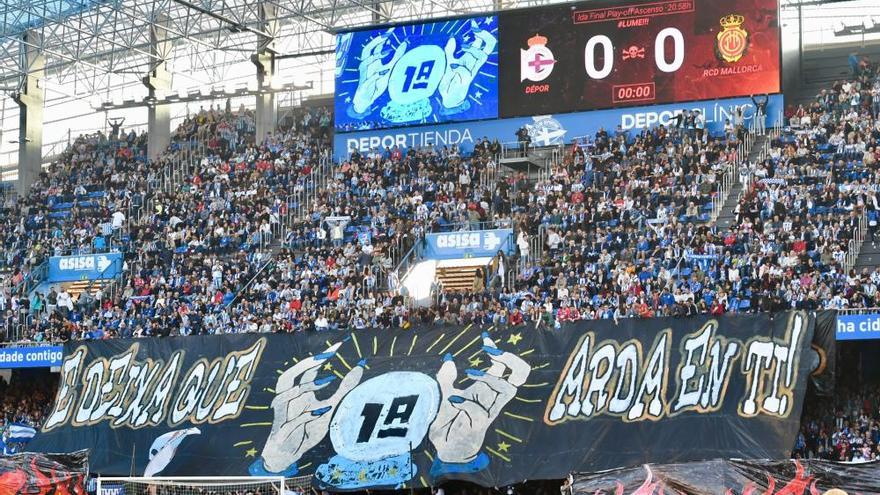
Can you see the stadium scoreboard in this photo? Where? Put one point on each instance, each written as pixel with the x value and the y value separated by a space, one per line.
pixel 556 59
pixel 604 54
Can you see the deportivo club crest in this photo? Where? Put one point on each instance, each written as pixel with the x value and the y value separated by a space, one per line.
pixel 732 42
pixel 546 131
pixel 537 62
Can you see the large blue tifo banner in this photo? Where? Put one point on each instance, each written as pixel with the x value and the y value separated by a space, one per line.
pixel 858 327
pixel 30 357
pixel 84 267
pixel 547 130
pixel 413 408
pixel 470 244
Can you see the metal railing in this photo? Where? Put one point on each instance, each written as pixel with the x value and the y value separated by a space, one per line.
pixel 854 246
pixel 731 173
pixel 537 243
pixel 513 149
pixel 508 280
pixel 500 223
pixel 776 130
pixel 179 166
pixel 489 175
pixel 238 294
pixel 515 273
pixel 398 248
pixel 33 278
pixel 744 161
pixel 17 326
pixel 409 260
pixel 857 311
pixel 299 205
pixel 24 343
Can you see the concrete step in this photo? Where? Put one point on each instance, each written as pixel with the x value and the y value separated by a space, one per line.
pixel 869 256
pixel 457 278
pixel 727 217
pixel 757 146
pixel 75 289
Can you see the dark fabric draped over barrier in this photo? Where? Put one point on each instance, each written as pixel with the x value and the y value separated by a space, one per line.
pixel 723 477
pixel 27 473
pixel 824 343
pixel 412 407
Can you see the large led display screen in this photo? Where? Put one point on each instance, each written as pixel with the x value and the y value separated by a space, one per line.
pixel 417 74
pixel 605 54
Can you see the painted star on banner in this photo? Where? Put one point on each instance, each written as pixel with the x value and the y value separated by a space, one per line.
pixel 503 446
pixel 514 338
pixel 251 452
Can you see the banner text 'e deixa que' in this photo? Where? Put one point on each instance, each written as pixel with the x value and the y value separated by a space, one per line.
pixel 410 408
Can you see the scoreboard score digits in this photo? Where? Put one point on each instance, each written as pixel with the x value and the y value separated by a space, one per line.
pixel 608 54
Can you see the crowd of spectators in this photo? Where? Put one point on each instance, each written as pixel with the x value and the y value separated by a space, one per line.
pixel 846 425
pixel 338 270
pixel 623 220
pixel 87 187
pixel 849 432
pixel 25 400
pixel 625 223
pixel 243 240
pixel 188 246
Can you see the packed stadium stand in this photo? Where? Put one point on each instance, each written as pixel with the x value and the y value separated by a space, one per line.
pixel 173 294
pixel 627 217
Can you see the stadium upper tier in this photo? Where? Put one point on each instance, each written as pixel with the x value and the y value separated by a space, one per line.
pixel 223 234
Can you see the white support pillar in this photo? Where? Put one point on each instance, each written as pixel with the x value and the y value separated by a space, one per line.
pixel 264 60
pixel 158 82
pixel 382 11
pixel 30 99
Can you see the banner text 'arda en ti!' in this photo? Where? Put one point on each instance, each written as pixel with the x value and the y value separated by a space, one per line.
pixel 411 408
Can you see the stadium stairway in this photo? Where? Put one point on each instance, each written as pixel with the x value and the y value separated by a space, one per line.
pixel 77 288
pixel 320 177
pixel 727 217
pixel 869 255
pixel 457 278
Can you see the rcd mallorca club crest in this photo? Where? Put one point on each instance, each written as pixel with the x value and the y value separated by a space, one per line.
pixel 537 62
pixel 732 42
